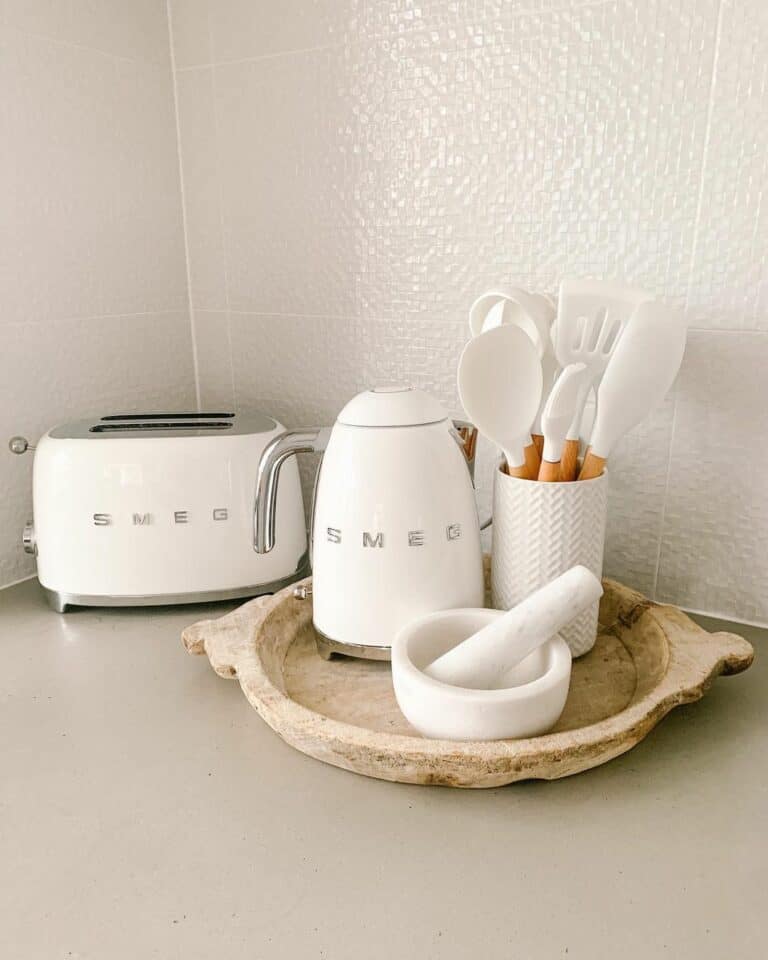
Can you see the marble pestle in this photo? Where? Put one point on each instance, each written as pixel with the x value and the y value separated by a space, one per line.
pixel 483 659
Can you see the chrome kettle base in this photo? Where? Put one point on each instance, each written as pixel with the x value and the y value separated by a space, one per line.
pixel 326 647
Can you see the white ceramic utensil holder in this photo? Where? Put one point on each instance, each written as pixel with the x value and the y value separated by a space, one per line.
pixel 540 530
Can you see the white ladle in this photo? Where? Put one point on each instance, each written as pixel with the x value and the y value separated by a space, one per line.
pixel 534 313
pixel 500 383
pixel 482 660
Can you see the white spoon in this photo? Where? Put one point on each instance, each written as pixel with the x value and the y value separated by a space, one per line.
pixel 499 382
pixel 642 368
pixel 482 660
pixel 534 313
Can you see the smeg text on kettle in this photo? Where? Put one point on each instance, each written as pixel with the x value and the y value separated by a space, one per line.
pixel 414 538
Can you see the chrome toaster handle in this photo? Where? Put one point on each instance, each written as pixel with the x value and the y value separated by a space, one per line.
pixel 275 454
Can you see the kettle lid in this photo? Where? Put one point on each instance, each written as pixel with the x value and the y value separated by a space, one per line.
pixel 392 405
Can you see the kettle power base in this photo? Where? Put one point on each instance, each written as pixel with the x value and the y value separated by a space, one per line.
pixel 326 647
pixel 648 658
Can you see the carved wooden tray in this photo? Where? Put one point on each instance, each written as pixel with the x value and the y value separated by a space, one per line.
pixel 647 659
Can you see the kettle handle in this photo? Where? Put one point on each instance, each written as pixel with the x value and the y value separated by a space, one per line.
pixel 465 434
pixel 274 455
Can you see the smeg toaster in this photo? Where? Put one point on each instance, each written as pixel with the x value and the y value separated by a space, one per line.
pixel 133 509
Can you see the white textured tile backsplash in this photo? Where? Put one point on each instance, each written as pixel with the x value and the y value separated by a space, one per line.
pixel 713 546
pixel 354 173
pixel 729 281
pixel 135 30
pixel 381 163
pixel 214 362
pixel 93 295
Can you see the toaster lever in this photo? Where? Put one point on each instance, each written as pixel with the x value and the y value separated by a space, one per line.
pixel 28 539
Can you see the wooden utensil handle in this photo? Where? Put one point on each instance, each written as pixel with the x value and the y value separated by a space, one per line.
pixel 538 442
pixel 593 467
pixel 549 472
pixel 520 472
pixel 568 461
pixel 532 460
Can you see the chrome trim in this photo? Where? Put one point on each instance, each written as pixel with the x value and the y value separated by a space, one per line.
pixel 156 426
pixel 313 440
pixel 327 646
pixel 19 445
pixel 312 510
pixel 60 601
pixel 471 429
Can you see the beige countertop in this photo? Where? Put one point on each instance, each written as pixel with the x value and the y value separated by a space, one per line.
pixel 146 811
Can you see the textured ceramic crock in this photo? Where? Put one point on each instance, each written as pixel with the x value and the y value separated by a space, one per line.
pixel 540 530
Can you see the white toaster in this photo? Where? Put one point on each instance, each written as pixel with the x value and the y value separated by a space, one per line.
pixel 158 509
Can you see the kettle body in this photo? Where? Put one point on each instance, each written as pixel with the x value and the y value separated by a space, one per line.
pixel 395 532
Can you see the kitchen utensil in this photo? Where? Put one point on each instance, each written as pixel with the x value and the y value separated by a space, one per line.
pixel 484 660
pixel 590 319
pixel 649 658
pixel 534 313
pixel 641 370
pixel 528 706
pixel 134 509
pixel 549 371
pixel 540 530
pixel 499 382
pixel 395 532
pixel 557 417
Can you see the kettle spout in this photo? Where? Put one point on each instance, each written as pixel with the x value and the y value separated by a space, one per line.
pixel 272 459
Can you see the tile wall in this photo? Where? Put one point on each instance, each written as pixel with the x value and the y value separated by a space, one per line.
pixel 94 311
pixel 356 172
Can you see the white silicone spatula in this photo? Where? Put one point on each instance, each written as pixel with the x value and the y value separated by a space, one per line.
pixel 482 660
pixel 499 383
pixel 640 372
pixel 558 413
pixel 591 315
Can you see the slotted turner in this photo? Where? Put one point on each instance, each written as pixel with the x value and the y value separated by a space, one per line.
pixel 591 317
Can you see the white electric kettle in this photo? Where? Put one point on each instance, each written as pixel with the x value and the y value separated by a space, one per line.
pixel 395 532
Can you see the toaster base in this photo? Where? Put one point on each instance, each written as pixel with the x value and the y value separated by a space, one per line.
pixel 326 647
pixel 60 601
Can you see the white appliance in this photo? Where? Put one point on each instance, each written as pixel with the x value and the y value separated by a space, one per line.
pixel 395 532
pixel 157 509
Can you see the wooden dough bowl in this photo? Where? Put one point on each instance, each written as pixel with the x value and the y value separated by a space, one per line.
pixel 648 658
